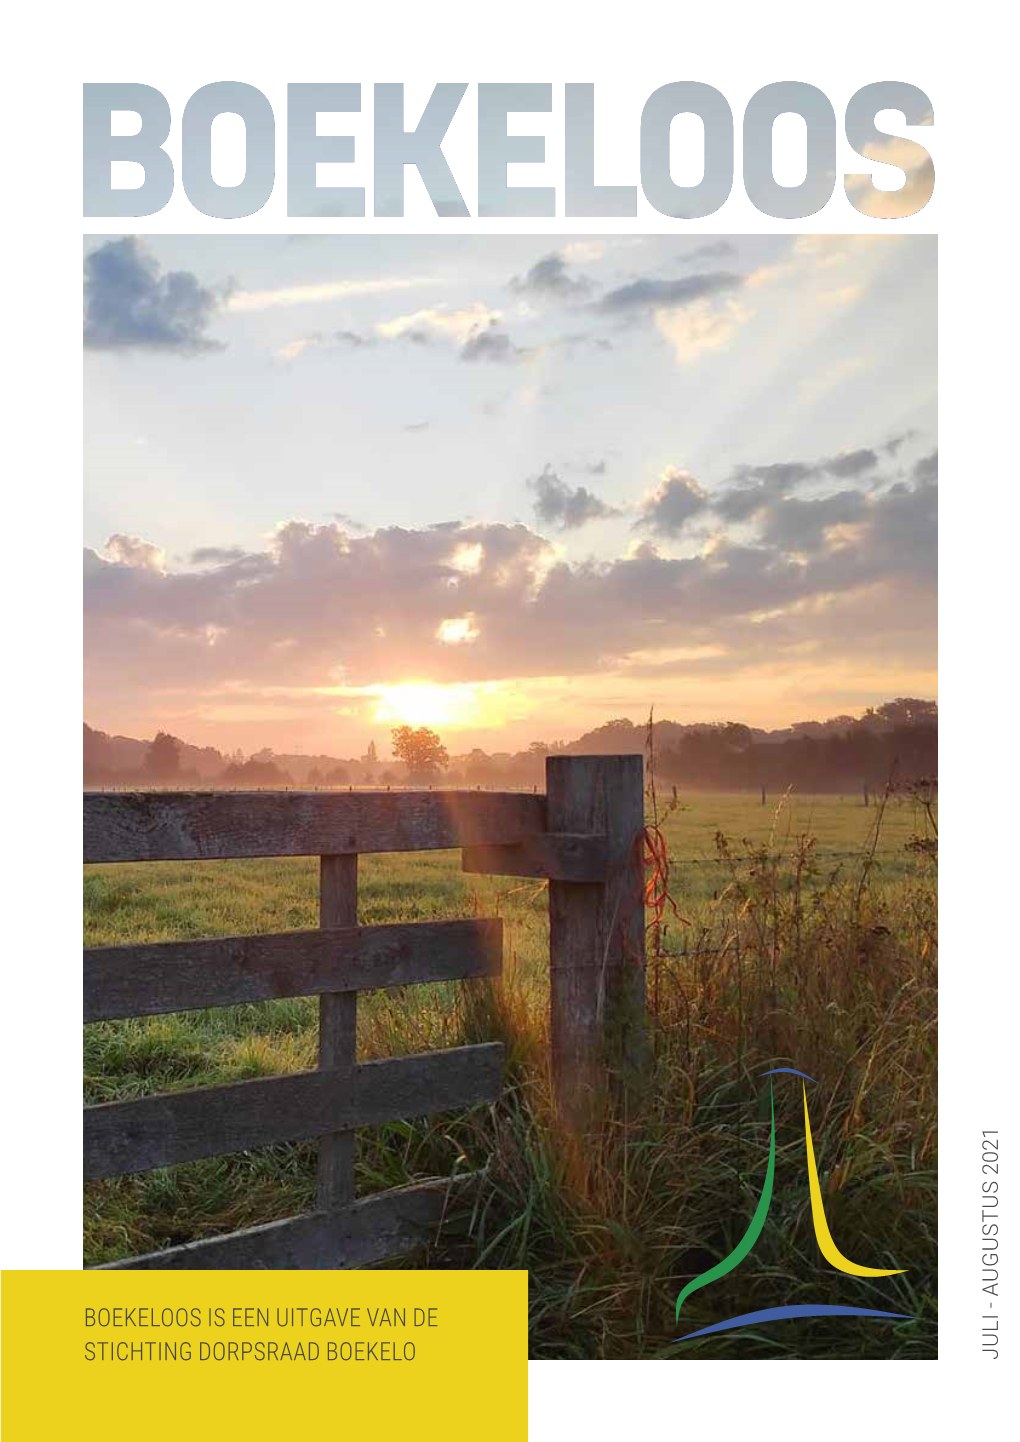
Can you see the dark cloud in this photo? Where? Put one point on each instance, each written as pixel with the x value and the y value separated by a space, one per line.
pixel 850 464
pixel 676 499
pixel 551 276
pixel 131 304
pixel 647 294
pixel 494 345
pixel 566 507
pixel 752 488
pixel 792 524
pixel 711 250
pixel 927 468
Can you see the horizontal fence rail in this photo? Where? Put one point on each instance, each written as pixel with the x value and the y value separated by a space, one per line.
pixel 159 1131
pixel 220 825
pixel 353 1236
pixel 148 979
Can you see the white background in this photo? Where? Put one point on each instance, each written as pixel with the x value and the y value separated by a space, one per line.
pixel 630 49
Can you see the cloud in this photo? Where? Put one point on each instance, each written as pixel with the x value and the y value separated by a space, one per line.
pixel 695 314
pixel 320 612
pixel 550 276
pixel 322 291
pixel 132 304
pixel 927 468
pixel 458 324
pixel 215 555
pixel 710 250
pixel 568 508
pixel 457 630
pixel 492 345
pixel 893 444
pixel 751 488
pixel 318 340
pixel 677 498
pixel 851 463
pixel 475 330
pixel 792 524
pixel 133 551
pixel 700 327
pixel 583 251
pixel 647 295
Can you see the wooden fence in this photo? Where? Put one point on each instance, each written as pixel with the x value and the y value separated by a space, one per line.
pixel 583 835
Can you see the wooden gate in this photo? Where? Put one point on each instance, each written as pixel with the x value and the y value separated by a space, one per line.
pixel 582 836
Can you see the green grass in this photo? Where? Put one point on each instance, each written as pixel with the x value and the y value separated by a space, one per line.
pixel 787 948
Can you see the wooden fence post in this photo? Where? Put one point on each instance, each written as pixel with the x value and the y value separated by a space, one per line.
pixel 596 929
pixel 338 1029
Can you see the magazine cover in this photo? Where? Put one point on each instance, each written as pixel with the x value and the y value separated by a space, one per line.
pixel 510 745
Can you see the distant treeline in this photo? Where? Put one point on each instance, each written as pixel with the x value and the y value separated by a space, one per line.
pixel 853 760
pixel 898 740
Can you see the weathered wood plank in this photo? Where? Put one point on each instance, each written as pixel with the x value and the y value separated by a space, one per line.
pixel 596 932
pixel 176 1127
pixel 157 977
pixel 356 1236
pixel 338 1030
pixel 211 825
pixel 558 856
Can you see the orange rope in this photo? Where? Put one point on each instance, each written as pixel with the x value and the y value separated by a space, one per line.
pixel 655 861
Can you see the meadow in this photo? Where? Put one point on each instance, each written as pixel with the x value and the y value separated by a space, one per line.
pixel 803 934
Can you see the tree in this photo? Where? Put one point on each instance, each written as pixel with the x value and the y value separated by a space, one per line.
pixel 737 735
pixel 421 751
pixel 256 772
pixel 479 769
pixel 909 711
pixel 163 758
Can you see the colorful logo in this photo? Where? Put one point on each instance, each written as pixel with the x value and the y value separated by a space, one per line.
pixel 826 1245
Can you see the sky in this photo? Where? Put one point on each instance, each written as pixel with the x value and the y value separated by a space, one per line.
pixel 508 487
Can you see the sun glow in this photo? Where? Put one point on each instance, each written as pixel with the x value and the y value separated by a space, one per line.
pixel 421 703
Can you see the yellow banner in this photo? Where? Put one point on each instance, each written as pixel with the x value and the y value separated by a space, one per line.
pixel 107 1355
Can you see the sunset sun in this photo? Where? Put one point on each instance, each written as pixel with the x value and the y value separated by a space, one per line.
pixel 421 703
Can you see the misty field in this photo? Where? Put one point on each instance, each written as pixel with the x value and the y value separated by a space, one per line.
pixel 804 934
